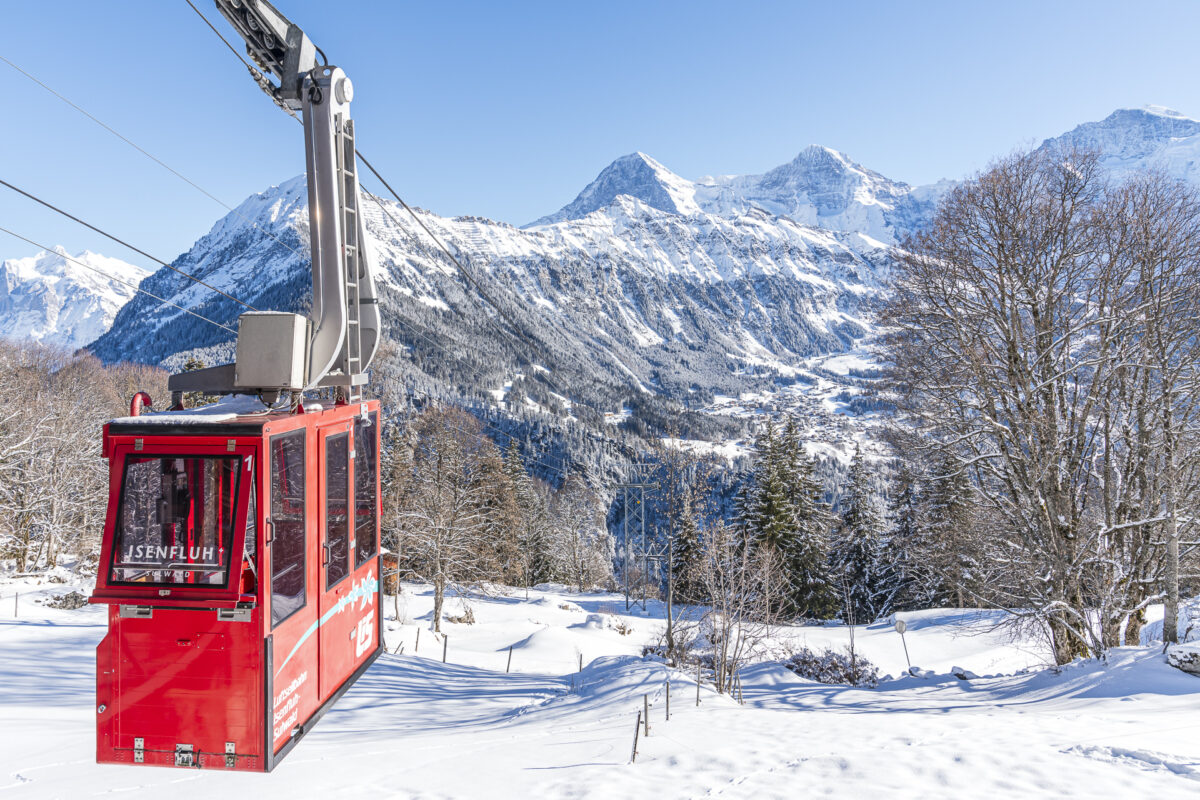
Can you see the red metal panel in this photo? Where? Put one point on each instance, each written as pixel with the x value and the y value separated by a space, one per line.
pixel 185 677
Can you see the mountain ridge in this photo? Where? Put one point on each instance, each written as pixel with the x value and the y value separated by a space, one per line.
pixel 67 301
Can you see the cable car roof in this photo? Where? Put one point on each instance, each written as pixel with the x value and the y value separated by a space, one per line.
pixel 231 415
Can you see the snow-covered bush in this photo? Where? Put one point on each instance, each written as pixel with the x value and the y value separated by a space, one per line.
pixel 467 617
pixel 832 666
pixel 71 601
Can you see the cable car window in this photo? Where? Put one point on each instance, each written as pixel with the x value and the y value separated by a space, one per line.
pixel 287 525
pixel 176 520
pixel 249 584
pixel 337 497
pixel 365 501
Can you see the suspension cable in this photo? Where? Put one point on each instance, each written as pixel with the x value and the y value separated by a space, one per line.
pixel 123 243
pixel 516 329
pixel 467 275
pixel 154 158
pixel 133 286
pixel 232 49
pixel 470 278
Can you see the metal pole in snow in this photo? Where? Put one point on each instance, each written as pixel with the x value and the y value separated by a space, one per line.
pixel 901 627
pixel 646 715
pixel 16 600
pixel 581 662
pixel 508 666
pixel 445 643
pixel 697 684
pixel 637 727
pixel 417 646
pixel 668 699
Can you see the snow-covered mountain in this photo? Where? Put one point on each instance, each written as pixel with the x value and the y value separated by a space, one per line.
pixel 1132 139
pixel 626 303
pixel 820 187
pixel 636 175
pixel 64 300
pixel 648 298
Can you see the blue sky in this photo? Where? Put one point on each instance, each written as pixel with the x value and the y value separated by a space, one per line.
pixel 507 110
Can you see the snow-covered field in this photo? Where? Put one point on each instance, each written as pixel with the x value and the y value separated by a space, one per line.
pixel 414 727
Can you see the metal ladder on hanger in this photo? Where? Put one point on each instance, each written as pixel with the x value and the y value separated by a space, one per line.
pixel 347 172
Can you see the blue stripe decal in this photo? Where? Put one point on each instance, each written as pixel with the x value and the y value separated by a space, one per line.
pixel 363 591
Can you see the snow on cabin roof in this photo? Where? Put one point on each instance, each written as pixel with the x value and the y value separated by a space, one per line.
pixel 226 409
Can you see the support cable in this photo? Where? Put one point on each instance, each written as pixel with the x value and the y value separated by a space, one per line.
pixel 123 243
pixel 516 329
pixel 232 49
pixel 470 278
pixel 155 159
pixel 133 286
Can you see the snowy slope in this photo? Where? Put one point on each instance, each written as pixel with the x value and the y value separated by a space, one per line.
pixel 51 299
pixel 824 188
pixel 414 727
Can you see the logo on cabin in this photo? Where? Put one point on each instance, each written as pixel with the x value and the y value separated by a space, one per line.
pixel 146 552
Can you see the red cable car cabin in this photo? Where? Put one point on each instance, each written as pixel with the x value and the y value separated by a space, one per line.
pixel 240 563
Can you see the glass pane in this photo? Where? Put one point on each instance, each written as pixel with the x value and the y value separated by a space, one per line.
pixel 287 519
pixel 175 524
pixel 337 496
pixel 365 502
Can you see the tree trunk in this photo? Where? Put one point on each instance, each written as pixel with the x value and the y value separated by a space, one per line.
pixel 1067 645
pixel 439 595
pixel 1171 604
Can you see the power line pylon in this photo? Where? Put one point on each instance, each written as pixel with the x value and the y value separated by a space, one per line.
pixel 640 549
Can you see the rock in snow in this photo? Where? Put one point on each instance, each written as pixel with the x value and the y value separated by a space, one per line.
pixel 1185 657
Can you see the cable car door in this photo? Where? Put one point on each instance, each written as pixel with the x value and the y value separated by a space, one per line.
pixel 337 622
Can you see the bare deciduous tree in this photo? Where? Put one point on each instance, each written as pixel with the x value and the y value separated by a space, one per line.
pixel 737 578
pixel 1043 337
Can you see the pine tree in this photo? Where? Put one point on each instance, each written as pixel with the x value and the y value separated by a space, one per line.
pixel 903 584
pixel 947 509
pixel 856 557
pixel 805 552
pixel 533 531
pixel 782 511
pixel 503 520
pixel 687 553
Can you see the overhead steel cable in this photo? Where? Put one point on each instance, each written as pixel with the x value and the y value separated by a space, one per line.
pixel 516 329
pixel 412 326
pixel 133 286
pixel 155 159
pixel 124 243
pixel 212 27
pixel 470 278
